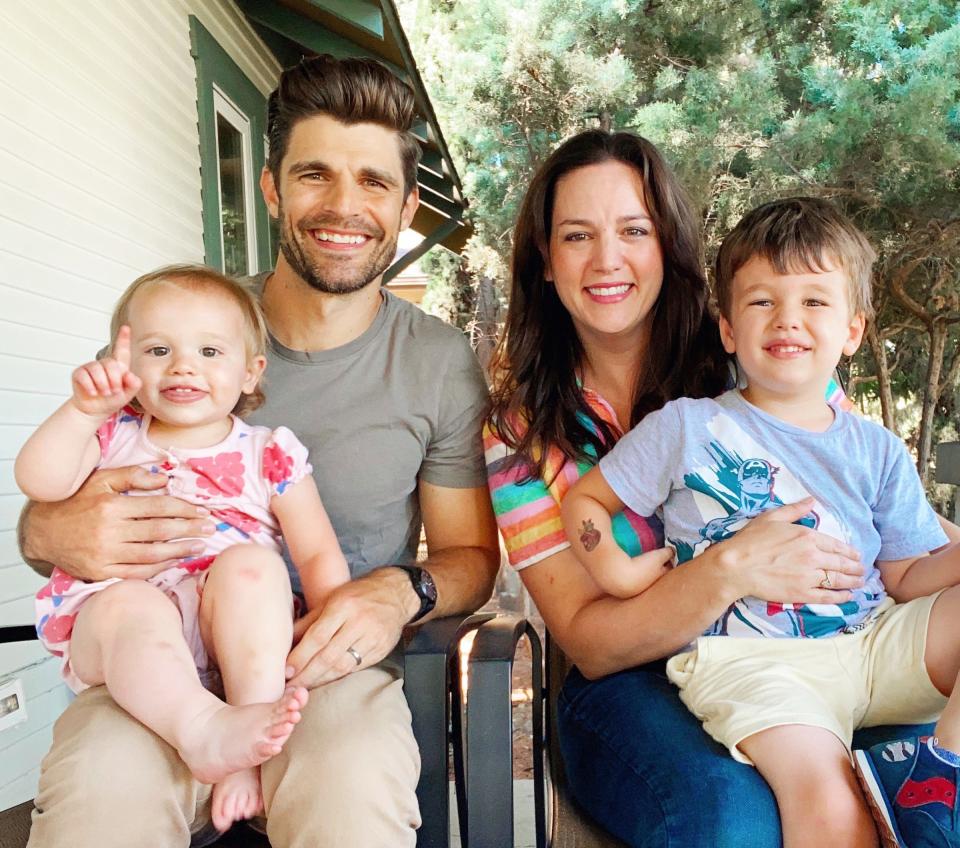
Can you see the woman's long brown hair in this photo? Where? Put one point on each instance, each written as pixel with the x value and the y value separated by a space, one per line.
pixel 537 400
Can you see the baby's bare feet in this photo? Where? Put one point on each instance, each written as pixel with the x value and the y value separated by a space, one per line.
pixel 237 796
pixel 226 739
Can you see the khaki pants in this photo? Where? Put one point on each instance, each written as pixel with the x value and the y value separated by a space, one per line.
pixel 347 776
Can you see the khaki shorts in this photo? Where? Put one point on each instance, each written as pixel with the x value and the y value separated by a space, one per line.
pixel 739 686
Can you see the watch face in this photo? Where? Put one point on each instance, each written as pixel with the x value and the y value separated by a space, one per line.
pixel 428 589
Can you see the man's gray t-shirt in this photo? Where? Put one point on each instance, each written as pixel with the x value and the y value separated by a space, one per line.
pixel 403 402
pixel 713 465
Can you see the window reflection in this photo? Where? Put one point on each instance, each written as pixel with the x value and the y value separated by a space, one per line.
pixel 233 210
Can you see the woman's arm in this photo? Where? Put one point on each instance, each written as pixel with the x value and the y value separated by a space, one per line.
pixel 311 541
pixel 587 512
pixel 770 558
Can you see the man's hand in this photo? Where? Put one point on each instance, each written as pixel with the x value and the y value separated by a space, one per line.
pixel 367 615
pixel 99 532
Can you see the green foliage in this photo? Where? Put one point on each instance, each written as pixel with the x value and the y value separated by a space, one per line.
pixel 856 100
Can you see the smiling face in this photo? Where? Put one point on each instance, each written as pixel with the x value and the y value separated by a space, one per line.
pixel 340 201
pixel 604 255
pixel 789 330
pixel 188 347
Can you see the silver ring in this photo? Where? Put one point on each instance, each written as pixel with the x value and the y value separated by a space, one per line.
pixel 356 656
pixel 826 583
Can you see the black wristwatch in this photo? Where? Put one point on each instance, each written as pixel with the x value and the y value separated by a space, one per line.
pixel 424 586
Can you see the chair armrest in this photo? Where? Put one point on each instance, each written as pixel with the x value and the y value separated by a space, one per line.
pixel 489 766
pixel 18 633
pixel 430 683
pixel 440 635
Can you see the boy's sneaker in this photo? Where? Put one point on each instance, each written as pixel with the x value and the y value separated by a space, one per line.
pixel 911 793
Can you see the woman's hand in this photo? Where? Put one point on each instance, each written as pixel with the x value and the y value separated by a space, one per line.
pixel 776 560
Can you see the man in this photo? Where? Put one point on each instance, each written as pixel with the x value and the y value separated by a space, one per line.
pixel 390 402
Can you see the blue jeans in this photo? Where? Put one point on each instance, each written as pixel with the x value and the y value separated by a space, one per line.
pixel 641 765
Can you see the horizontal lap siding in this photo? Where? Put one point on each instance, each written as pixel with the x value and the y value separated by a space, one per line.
pixel 99 183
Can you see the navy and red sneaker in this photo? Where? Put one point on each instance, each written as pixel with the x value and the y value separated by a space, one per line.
pixel 911 793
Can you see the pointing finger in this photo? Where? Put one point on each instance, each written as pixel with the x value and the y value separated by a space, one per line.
pixel 121 347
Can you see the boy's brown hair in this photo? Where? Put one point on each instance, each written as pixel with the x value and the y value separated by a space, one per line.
pixel 353 91
pixel 796 235
pixel 199 278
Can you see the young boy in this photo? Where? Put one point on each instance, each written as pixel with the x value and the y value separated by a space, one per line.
pixel 789 683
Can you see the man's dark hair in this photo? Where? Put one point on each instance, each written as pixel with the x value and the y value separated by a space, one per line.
pixel 353 91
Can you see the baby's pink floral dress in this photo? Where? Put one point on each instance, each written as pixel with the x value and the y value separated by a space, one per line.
pixel 235 480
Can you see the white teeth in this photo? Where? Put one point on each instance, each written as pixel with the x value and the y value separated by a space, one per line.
pixel 599 291
pixel 336 238
pixel 788 348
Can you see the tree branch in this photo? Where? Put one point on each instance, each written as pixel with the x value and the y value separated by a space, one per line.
pixel 953 372
pixel 897 286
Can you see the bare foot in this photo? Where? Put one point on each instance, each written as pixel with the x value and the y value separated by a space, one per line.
pixel 225 739
pixel 237 796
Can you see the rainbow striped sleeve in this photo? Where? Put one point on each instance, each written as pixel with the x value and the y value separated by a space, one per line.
pixel 527 513
pixel 836 396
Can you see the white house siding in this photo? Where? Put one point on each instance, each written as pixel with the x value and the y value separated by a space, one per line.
pixel 99 182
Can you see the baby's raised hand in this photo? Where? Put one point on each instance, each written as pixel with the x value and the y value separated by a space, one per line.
pixel 106 385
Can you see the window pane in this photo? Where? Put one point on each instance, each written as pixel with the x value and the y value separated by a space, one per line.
pixel 233 210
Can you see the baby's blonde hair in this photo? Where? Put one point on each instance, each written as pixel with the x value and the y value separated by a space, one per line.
pixel 200 278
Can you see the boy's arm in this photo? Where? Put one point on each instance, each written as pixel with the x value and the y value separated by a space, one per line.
pixel 311 541
pixel 951 529
pixel 587 509
pixel 906 579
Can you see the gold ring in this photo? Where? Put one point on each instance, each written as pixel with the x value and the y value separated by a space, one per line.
pixel 826 583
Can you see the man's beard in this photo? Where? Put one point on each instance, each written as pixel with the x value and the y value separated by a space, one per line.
pixel 329 275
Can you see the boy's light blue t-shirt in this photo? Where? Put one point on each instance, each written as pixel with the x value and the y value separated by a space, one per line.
pixel 713 464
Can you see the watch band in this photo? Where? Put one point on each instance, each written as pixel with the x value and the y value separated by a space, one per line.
pixel 423 585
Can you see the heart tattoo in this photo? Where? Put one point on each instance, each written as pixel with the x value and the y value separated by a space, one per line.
pixel 589 535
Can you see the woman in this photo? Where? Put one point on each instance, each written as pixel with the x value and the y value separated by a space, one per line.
pixel 607 322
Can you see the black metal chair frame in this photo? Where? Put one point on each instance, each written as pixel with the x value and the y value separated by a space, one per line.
pixel 432 687
pixel 488 806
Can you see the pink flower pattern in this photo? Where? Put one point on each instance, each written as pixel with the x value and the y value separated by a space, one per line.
pixel 57 628
pixel 277 466
pixel 221 474
pixel 105 434
pixel 58 584
pixel 231 517
pixel 197 564
pixel 235 484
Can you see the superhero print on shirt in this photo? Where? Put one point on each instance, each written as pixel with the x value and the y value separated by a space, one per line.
pixel 739 480
pixel 755 481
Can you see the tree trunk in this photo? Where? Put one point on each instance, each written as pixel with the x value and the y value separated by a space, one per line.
pixel 931 395
pixel 606 120
pixel 884 388
pixel 486 320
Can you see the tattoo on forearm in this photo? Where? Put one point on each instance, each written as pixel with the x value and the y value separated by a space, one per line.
pixel 589 535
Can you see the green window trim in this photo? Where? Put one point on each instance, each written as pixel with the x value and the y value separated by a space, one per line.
pixel 215 67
